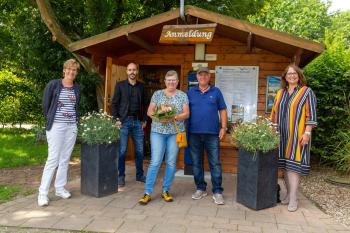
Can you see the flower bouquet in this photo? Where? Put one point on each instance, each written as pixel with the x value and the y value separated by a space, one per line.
pixel 164 112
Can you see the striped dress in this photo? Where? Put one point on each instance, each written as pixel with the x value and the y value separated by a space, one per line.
pixel 292 113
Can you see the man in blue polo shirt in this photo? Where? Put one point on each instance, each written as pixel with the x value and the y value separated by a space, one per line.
pixel 207 126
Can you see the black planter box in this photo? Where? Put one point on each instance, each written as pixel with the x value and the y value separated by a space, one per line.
pixel 257 179
pixel 99 170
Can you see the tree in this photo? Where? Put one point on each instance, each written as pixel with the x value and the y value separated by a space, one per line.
pixel 304 18
pixel 329 77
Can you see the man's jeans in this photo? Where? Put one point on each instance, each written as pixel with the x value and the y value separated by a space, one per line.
pixel 162 144
pixel 134 127
pixel 211 143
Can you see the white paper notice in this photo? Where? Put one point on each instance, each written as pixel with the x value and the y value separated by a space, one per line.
pixel 239 86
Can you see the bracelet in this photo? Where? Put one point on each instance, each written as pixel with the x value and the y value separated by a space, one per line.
pixel 307 133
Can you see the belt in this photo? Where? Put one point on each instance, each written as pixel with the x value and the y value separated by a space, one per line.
pixel 132 117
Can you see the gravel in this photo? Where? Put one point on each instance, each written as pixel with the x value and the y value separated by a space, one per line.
pixel 333 199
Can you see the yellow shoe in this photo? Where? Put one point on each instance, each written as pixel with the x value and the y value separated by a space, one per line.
pixel 166 196
pixel 144 201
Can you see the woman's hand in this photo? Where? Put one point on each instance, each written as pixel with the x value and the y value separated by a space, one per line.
pixel 305 139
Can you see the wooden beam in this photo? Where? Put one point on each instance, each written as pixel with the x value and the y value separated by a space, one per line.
pixel 297 56
pixel 107 96
pixel 140 42
pixel 130 28
pixel 250 42
pixel 255 29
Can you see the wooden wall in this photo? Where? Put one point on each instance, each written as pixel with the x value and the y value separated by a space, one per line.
pixel 229 52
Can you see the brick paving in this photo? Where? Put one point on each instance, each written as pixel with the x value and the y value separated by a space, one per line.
pixel 120 212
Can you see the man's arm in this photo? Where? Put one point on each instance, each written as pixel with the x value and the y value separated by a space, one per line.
pixel 116 101
pixel 223 120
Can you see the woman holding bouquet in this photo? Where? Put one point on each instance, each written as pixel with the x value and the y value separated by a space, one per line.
pixel 294 111
pixel 167 108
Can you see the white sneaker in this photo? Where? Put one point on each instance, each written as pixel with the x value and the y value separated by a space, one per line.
pixel 218 199
pixel 43 200
pixel 63 193
pixel 199 194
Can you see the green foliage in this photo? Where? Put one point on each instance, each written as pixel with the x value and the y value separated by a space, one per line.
pixel 341 156
pixel 329 77
pixel 98 128
pixel 7 193
pixel 304 18
pixel 256 137
pixel 19 100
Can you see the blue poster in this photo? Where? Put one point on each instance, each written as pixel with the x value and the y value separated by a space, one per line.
pixel 273 85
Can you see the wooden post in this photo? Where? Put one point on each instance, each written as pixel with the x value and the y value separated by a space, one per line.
pixel 250 41
pixel 107 97
pixel 297 56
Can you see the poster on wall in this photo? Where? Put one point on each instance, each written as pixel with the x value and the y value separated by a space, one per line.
pixel 239 86
pixel 272 86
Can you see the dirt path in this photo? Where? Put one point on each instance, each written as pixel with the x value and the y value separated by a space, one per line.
pixel 28 178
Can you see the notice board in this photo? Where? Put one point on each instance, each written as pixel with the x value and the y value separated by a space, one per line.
pixel 239 86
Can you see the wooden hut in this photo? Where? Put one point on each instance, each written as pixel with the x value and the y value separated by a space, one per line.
pixel 160 43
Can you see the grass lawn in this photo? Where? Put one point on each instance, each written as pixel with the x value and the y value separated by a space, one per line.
pixel 7 193
pixel 18 148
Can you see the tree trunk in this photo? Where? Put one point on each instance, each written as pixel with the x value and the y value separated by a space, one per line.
pixel 58 34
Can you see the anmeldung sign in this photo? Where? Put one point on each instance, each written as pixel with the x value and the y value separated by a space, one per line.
pixel 187 34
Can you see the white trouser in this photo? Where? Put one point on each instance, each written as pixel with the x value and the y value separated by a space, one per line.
pixel 61 139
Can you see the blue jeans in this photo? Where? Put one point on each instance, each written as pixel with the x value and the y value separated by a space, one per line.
pixel 211 143
pixel 162 144
pixel 134 127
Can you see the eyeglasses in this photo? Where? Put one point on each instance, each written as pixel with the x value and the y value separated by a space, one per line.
pixel 171 80
pixel 292 73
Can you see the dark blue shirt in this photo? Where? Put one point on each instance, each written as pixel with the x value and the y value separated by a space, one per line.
pixel 204 110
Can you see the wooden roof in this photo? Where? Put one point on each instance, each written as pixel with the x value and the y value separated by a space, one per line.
pixel 144 34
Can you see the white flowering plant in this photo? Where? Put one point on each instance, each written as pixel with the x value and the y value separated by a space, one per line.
pixel 258 136
pixel 98 128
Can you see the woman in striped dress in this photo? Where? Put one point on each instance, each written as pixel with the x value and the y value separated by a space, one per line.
pixel 294 112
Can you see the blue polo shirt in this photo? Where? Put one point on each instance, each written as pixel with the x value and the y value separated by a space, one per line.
pixel 204 110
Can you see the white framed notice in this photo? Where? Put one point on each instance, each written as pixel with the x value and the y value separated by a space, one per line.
pixel 239 86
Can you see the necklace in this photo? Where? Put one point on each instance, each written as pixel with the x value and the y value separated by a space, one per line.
pixel 204 89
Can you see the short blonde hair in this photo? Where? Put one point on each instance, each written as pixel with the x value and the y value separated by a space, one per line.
pixel 71 62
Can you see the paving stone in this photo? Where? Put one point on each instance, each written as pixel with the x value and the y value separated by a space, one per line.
pixel 113 212
pixel 205 224
pixel 226 226
pixel 169 228
pixel 260 217
pixel 135 227
pixel 241 222
pixel 104 225
pixel 77 223
pixel 231 213
pixel 249 228
pixel 12 219
pixel 289 227
pixel 219 220
pixel 135 216
pixel 193 229
pixel 203 211
pixel 42 222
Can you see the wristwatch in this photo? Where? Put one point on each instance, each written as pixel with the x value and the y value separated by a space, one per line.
pixel 224 128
